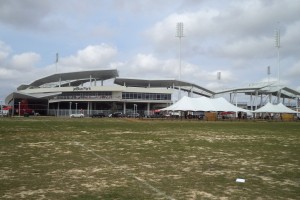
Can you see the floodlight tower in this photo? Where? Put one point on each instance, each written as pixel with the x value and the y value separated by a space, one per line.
pixel 277 45
pixel 56 62
pixel 269 72
pixel 179 35
pixel 219 76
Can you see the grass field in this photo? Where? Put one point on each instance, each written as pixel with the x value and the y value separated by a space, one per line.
pixel 61 158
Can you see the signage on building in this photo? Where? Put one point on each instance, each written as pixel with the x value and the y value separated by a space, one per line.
pixel 81 88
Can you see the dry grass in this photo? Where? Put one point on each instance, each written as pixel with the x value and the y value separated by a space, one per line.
pixel 50 158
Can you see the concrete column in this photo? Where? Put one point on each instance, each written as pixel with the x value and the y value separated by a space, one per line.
pixel 13 107
pixel 256 94
pixel 251 102
pixel 124 108
pixel 297 104
pixel 278 96
pixel 57 109
pixel 148 109
pixel 48 107
pixel 88 108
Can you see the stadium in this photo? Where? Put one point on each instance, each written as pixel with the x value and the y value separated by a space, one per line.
pixel 86 92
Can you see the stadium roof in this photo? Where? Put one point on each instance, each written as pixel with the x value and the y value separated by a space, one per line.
pixel 169 83
pixel 76 78
pixel 265 88
pixel 21 95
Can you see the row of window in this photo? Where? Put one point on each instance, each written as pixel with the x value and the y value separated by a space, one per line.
pixel 108 95
pixel 85 95
pixel 146 96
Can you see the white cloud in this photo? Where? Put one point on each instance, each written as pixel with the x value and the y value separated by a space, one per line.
pixel 5 74
pixel 294 71
pixel 25 61
pixel 245 27
pixel 149 66
pixel 25 14
pixel 4 51
pixel 91 57
pixel 145 63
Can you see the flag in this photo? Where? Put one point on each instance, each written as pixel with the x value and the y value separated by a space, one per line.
pixel 56 57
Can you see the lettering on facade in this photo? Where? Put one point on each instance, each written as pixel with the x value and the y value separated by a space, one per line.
pixel 81 88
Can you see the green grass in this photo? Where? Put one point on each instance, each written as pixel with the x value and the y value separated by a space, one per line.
pixel 61 158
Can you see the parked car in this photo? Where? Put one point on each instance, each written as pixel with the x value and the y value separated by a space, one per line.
pixel 79 115
pixel 133 115
pixel 100 115
pixel 117 114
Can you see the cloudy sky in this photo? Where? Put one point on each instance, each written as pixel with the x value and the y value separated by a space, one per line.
pixel 234 37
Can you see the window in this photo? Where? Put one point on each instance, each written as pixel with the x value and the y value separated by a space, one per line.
pixel 146 96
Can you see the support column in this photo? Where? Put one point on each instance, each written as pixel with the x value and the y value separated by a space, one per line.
pixel 48 107
pixel 88 108
pixel 256 94
pixel 148 109
pixel 251 102
pixel 57 109
pixel 297 104
pixel 278 96
pixel 124 107
pixel 13 107
pixel 173 86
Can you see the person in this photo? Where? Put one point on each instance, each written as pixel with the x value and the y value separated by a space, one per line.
pixel 239 115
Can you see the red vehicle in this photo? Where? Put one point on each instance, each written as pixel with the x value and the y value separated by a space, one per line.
pixel 23 108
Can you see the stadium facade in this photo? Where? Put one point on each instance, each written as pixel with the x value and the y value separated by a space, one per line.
pixel 85 92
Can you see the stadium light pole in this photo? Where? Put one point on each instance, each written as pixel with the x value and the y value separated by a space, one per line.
pixel 56 62
pixel 269 72
pixel 179 35
pixel 277 45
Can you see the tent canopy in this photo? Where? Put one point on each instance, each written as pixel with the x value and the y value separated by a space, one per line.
pixel 203 104
pixel 271 108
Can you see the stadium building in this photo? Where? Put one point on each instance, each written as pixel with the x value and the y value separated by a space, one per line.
pixel 84 92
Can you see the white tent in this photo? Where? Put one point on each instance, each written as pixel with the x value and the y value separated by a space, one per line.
pixel 184 102
pixel 203 104
pixel 271 108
